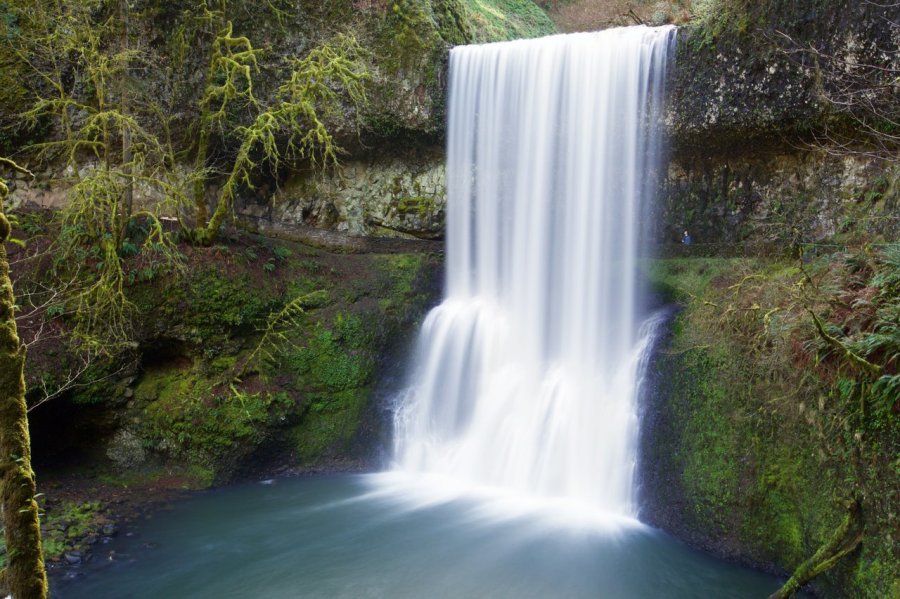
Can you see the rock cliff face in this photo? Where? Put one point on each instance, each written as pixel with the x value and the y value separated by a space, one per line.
pixel 768 197
pixel 762 71
pixel 392 183
pixel 767 121
pixel 389 185
pixel 763 151
pixel 393 195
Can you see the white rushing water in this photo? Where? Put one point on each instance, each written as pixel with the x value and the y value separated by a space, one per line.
pixel 528 372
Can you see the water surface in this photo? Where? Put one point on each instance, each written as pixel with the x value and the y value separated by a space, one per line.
pixel 351 536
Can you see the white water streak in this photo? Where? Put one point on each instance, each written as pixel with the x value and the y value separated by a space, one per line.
pixel 528 371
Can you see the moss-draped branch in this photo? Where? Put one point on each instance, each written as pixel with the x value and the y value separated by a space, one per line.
pixel 294 126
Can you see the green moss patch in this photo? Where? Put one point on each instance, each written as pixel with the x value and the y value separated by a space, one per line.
pixel 769 429
pixel 64 527
pixel 329 426
pixel 310 386
pixel 188 415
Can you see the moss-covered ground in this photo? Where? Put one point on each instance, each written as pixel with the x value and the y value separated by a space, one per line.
pixel 768 431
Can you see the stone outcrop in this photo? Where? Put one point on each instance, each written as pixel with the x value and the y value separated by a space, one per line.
pixel 763 147
pixel 777 196
pixel 385 195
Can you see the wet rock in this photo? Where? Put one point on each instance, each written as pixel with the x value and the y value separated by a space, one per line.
pixel 109 530
pixel 74 558
pixel 126 449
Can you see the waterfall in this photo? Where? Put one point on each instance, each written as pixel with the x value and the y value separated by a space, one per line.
pixel 527 373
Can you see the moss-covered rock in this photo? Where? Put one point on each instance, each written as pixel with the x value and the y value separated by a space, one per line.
pixel 744 73
pixel 223 379
pixel 779 197
pixel 336 363
pixel 412 42
pixel 66 525
pixel 751 445
pixel 182 414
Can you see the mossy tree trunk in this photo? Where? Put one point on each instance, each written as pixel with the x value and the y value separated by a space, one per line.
pixel 26 576
pixel 127 156
pixel 843 541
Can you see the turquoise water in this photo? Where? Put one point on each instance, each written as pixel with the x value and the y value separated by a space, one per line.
pixel 339 536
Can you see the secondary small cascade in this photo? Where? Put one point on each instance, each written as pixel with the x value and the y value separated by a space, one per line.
pixel 527 373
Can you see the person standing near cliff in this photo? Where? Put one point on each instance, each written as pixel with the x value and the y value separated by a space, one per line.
pixel 686 238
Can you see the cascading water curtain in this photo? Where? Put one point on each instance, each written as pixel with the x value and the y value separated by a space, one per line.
pixel 527 372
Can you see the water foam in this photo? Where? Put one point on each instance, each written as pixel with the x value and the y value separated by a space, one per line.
pixel 527 374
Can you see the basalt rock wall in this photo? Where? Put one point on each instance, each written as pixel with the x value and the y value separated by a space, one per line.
pixel 778 116
pixel 768 134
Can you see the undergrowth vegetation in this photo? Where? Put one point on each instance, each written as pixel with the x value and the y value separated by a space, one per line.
pixel 505 19
pixel 251 343
pixel 785 386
